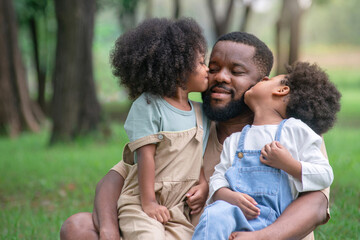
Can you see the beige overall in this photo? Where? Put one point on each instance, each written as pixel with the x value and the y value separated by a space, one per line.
pixel 178 160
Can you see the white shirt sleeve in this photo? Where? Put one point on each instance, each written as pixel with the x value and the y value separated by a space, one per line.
pixel 317 173
pixel 218 180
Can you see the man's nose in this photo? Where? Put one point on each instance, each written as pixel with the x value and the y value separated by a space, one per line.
pixel 223 76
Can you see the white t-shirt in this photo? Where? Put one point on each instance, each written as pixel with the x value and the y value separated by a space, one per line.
pixel 298 138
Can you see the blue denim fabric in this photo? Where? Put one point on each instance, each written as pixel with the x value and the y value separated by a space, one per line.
pixel 268 186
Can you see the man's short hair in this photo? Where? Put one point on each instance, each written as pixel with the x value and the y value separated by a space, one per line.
pixel 263 57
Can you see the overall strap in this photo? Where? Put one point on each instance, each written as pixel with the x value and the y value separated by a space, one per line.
pixel 242 137
pixel 199 121
pixel 278 131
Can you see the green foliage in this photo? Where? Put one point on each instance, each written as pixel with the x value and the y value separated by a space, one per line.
pixel 333 22
pixel 348 82
pixel 27 9
pixel 41 186
pixel 343 148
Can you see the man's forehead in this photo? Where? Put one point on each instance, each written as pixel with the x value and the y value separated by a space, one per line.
pixel 232 51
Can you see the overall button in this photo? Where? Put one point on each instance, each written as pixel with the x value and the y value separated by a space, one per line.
pixel 160 137
pixel 240 155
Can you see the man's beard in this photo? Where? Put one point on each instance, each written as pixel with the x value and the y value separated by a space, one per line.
pixel 233 109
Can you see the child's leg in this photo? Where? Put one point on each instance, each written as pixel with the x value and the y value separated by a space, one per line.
pixel 137 225
pixel 219 220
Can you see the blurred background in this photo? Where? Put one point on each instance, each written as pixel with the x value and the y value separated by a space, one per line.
pixel 62 111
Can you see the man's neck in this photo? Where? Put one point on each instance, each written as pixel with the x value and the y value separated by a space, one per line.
pixel 226 128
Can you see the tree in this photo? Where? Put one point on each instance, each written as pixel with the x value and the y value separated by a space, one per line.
pixel 33 16
pixel 288 34
pixel 17 111
pixel 127 14
pixel 75 108
pixel 221 23
pixel 177 9
pixel 245 16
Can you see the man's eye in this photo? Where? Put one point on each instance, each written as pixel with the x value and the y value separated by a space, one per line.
pixel 237 73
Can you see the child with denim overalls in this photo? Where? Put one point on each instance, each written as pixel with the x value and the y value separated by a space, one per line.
pixel 265 166
pixel 160 62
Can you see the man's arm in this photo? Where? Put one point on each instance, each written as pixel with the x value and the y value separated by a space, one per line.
pixel 105 215
pixel 299 219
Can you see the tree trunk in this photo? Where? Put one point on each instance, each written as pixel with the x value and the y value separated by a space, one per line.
pixel 245 17
pixel 75 108
pixel 17 112
pixel 176 9
pixel 127 14
pixel 221 24
pixel 149 9
pixel 288 34
pixel 40 70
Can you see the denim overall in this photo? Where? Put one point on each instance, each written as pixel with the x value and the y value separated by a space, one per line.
pixel 268 186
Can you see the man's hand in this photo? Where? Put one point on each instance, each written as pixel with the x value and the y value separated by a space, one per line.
pixel 244 235
pixel 196 197
pixel 157 212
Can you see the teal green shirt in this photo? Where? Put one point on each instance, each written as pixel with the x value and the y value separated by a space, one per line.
pixel 150 114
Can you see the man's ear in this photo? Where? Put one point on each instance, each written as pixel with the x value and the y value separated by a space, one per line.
pixel 282 90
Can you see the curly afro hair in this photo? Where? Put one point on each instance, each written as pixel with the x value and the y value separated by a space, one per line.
pixel 157 56
pixel 263 57
pixel 313 98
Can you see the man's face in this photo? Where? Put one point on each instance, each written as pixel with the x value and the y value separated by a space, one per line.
pixel 231 72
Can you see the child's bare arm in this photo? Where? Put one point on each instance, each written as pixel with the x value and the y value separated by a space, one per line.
pixel 197 195
pixel 146 176
pixel 276 155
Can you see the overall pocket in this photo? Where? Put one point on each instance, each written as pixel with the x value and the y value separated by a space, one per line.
pixel 258 180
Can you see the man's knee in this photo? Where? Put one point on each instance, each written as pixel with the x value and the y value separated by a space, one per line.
pixel 77 225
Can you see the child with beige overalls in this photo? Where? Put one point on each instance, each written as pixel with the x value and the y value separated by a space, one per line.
pixel 160 62
pixel 265 166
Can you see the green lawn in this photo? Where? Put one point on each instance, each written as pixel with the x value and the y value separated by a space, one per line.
pixel 41 186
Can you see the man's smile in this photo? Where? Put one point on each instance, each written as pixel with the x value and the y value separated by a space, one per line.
pixel 220 91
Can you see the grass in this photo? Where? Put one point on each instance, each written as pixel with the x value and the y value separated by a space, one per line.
pixel 40 186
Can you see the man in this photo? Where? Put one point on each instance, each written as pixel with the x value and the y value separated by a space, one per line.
pixel 237 62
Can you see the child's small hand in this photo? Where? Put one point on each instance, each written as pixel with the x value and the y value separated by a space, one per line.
pixel 275 155
pixel 156 211
pixel 247 205
pixel 196 197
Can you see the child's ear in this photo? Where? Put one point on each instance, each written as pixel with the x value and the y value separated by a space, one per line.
pixel 282 90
